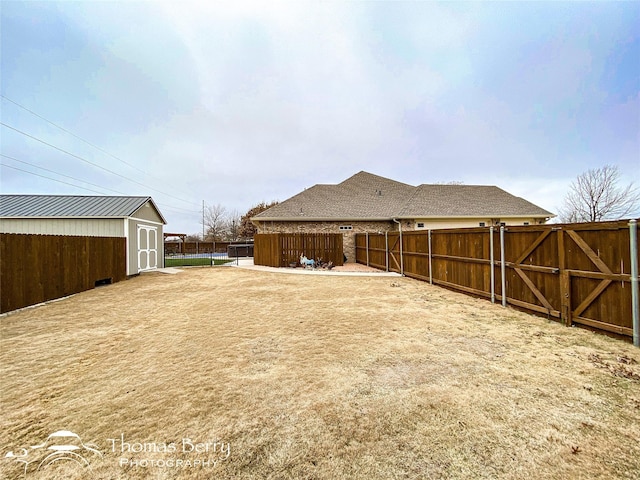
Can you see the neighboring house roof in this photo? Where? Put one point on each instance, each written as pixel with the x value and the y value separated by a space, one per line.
pixel 468 201
pixel 365 196
pixel 361 196
pixel 71 206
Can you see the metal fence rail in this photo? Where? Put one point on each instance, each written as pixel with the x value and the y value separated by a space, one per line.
pixel 205 253
pixel 209 259
pixel 186 248
pixel 575 273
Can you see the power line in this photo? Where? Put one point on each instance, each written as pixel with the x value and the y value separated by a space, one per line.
pixel 83 181
pixel 91 163
pixel 80 138
pixel 57 173
pixel 72 134
pixel 49 178
pixel 164 205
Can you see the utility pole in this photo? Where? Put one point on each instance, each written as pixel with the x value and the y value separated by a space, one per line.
pixel 203 220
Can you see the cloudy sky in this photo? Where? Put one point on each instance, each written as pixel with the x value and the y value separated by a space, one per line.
pixel 235 103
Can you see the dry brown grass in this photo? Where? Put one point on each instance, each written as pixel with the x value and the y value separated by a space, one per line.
pixel 317 377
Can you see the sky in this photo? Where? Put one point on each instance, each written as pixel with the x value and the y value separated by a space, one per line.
pixel 235 103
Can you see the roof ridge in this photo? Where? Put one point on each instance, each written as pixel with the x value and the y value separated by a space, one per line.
pixel 369 196
pixel 363 173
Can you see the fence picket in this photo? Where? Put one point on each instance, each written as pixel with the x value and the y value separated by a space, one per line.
pixel 283 249
pixel 38 268
pixel 572 272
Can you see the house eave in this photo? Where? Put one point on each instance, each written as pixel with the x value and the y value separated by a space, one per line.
pixel 465 217
pixel 397 217
pixel 319 219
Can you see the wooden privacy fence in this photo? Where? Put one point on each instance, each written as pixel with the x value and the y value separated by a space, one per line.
pixel 575 273
pixel 283 249
pixel 37 268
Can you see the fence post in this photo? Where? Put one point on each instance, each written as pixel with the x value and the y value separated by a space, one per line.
pixel 633 241
pixel 386 250
pixel 401 253
pixel 503 268
pixel 367 237
pixel 430 264
pixel 492 273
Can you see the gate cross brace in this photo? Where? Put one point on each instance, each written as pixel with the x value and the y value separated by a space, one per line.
pixel 538 294
pixel 534 289
pixel 597 261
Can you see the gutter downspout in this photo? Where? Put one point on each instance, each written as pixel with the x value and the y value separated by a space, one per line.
pixel 401 257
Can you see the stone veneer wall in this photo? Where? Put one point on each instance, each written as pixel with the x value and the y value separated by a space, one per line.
pixel 349 236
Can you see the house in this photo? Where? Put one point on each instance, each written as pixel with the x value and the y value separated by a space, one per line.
pixel 370 203
pixel 137 219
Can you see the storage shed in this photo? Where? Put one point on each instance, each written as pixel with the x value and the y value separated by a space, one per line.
pixel 137 219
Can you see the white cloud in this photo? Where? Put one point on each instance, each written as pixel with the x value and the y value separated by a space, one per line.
pixel 239 102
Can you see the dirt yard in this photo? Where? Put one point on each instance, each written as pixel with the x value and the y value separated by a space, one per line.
pixel 228 373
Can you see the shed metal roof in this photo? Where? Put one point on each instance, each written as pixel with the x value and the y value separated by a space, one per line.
pixel 71 206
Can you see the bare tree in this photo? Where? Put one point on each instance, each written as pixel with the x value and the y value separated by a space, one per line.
pixel 247 228
pixel 233 226
pixel 215 222
pixel 595 196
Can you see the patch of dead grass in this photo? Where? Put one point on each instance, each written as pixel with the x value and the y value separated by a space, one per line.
pixel 317 377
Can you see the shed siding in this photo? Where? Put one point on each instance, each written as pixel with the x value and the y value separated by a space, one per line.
pixel 86 227
pixel 133 243
pixel 147 212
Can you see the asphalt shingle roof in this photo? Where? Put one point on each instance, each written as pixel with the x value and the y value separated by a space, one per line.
pixel 70 206
pixel 468 201
pixel 365 196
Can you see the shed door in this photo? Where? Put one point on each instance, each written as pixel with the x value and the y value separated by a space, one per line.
pixel 147 248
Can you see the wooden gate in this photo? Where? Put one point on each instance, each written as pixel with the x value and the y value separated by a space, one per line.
pixel 532 281
pixel 597 298
pixel 395 257
pixel 573 273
